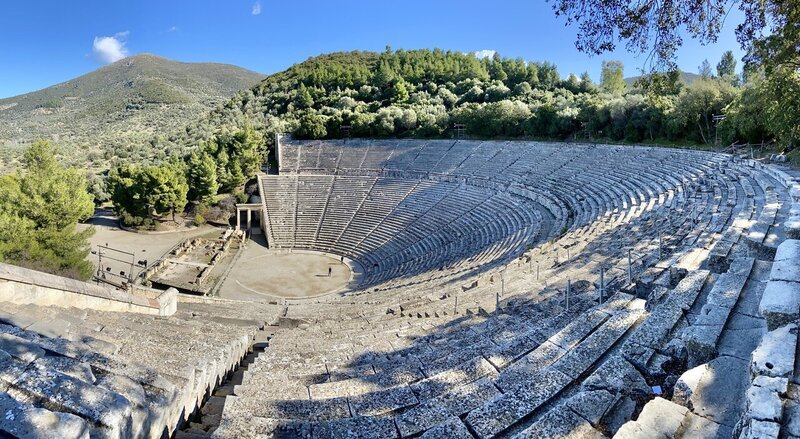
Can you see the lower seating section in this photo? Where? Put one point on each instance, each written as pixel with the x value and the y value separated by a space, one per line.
pixel 396 227
pixel 73 373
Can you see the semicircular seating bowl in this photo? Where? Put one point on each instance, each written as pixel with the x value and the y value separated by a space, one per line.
pixel 405 209
pixel 463 327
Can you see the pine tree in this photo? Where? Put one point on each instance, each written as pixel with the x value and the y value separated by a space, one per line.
pixel 201 177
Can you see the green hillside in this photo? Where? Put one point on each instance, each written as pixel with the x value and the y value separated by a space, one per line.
pixel 118 107
pixel 423 93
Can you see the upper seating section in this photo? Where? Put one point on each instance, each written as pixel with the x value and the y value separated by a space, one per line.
pixel 405 207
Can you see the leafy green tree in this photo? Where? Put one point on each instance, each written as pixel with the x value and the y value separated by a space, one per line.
pixel 40 207
pixel 697 105
pixel 166 187
pixel 304 98
pixel 201 176
pixel 612 77
pixel 399 92
pixel 239 153
pixel 312 126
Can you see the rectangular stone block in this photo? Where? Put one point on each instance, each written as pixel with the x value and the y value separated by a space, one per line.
pixel 586 353
pixel 504 411
pixel 21 420
pixel 382 401
pixel 58 392
pixel 306 410
pixel 560 423
pixel 519 372
pixel 452 429
pixel 780 303
pixel 355 428
pixel 468 371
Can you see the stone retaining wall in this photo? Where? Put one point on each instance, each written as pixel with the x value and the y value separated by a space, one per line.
pixel 23 286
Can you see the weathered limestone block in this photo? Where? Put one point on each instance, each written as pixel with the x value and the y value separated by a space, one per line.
pixel 468 371
pixel 591 405
pixel 519 372
pixel 792 417
pixel 560 423
pixel 785 270
pixel 307 410
pixel 422 417
pixel 453 403
pixel 251 427
pixel 109 411
pixel 500 413
pixel 616 375
pixel 21 420
pixel 792 226
pixel 468 397
pixel 687 383
pixel 68 366
pixel 452 429
pixel 761 430
pixel 780 303
pixel 662 416
pixel 19 348
pixel 775 355
pixel 382 401
pixel 634 430
pixel 580 358
pixel 360 428
pixel 764 404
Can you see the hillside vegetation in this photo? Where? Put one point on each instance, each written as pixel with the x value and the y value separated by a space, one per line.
pixel 117 110
pixel 422 93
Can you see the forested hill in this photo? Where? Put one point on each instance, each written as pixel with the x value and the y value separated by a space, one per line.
pixel 117 109
pixel 421 93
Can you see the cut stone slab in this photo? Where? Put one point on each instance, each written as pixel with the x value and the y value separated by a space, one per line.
pixel 591 405
pixel 775 355
pixel 20 348
pixel 382 401
pixel 719 394
pixel 355 428
pixel 452 429
pixel 786 270
pixel 619 414
pixel 439 383
pixel 560 423
pixel 780 303
pixel 699 427
pixel 634 430
pixel 616 375
pixel 763 430
pixel 24 421
pixel 505 410
pixel 687 383
pixel 662 416
pixel 251 427
pixel 422 417
pixel 764 404
pixel 788 250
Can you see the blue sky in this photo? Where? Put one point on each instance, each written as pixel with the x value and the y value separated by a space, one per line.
pixel 49 41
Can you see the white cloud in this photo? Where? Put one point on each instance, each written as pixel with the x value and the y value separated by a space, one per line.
pixel 256 8
pixel 172 29
pixel 485 53
pixel 110 49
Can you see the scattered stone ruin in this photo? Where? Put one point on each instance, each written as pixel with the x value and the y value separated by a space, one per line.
pixel 510 289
